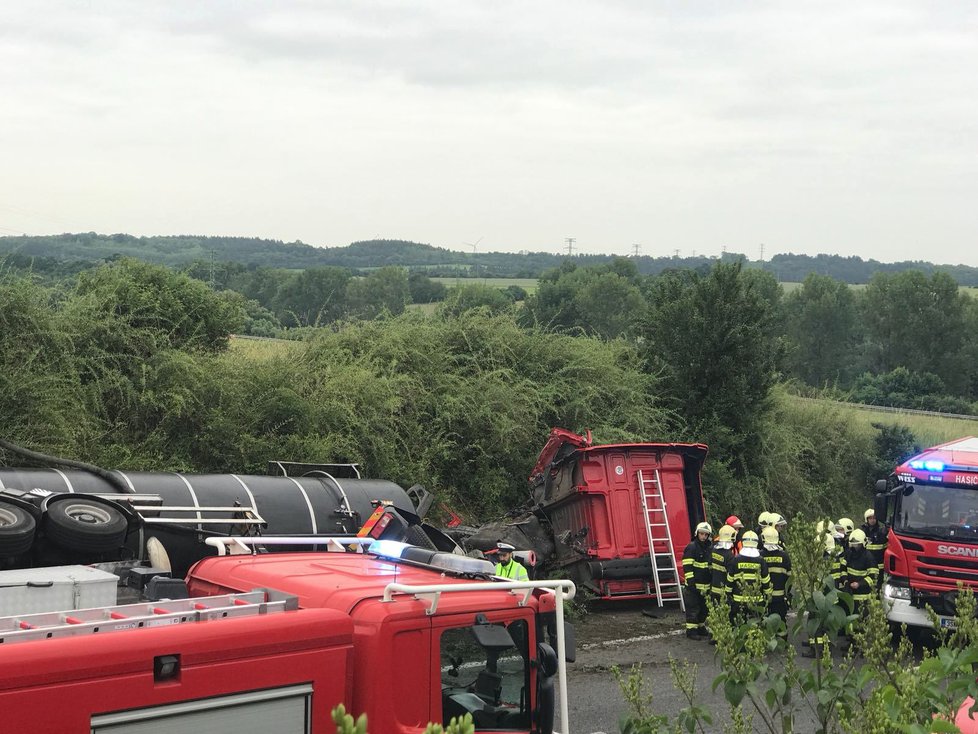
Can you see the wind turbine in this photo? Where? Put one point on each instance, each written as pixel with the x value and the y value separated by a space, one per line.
pixel 473 245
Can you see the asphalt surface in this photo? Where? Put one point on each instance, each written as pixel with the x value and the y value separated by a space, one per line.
pixel 620 635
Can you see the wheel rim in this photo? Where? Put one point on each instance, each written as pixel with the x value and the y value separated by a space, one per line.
pixel 7 518
pixel 88 514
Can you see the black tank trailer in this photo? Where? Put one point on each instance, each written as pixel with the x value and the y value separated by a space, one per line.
pixel 54 516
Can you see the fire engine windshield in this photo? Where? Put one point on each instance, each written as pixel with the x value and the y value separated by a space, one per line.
pixel 491 683
pixel 940 512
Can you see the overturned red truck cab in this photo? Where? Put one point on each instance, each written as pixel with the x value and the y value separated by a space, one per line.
pixel 613 517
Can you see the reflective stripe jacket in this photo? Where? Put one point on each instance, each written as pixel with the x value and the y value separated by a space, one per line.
pixel 861 569
pixel 718 569
pixel 876 539
pixel 838 568
pixel 696 565
pixel 779 566
pixel 748 580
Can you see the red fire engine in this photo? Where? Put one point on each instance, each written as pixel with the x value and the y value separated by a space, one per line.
pixel 265 642
pixel 931 506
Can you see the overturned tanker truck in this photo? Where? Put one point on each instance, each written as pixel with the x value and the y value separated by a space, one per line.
pixel 53 517
pixel 614 518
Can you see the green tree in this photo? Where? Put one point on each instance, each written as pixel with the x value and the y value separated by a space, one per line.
pixel 603 301
pixel 917 322
pixel 312 297
pixel 383 290
pixel 424 289
pixel 712 339
pixel 476 295
pixel 821 325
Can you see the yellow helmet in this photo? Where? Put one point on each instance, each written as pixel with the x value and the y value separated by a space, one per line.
pixel 750 539
pixel 704 527
pixel 846 524
pixel 727 534
pixel 829 543
pixel 858 537
pixel 770 535
pixel 869 513
pixel 764 519
pixel 777 520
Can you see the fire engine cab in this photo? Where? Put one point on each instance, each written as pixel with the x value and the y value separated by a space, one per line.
pixel 930 504
pixel 265 642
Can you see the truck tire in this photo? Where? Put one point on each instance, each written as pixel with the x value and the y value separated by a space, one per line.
pixel 16 530
pixel 75 523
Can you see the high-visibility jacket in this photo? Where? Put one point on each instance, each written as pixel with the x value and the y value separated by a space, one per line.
pixel 718 569
pixel 838 567
pixel 514 571
pixel 861 569
pixel 779 566
pixel 748 580
pixel 876 538
pixel 696 565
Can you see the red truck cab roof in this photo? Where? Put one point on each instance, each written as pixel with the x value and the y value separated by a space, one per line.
pixel 954 463
pixel 342 581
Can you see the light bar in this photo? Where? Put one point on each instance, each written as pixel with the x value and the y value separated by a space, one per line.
pixel 929 465
pixel 387 548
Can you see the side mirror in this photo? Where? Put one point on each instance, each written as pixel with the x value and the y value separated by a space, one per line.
pixel 547 660
pixel 882 486
pixel 881 504
pixel 494 637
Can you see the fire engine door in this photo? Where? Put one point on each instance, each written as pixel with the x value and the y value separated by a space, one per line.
pixel 485 669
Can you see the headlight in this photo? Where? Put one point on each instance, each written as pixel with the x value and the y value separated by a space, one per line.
pixel 897 592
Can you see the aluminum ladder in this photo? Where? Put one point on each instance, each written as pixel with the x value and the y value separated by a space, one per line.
pixel 44 625
pixel 665 573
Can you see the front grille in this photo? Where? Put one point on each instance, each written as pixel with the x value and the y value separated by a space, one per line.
pixel 970 565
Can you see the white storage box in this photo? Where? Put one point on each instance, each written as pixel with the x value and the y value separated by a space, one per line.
pixel 55 589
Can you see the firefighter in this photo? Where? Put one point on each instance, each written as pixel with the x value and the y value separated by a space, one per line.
pixel 781 525
pixel 844 526
pixel 860 570
pixel 697 576
pixel 723 551
pixel 877 535
pixel 748 581
pixel 508 567
pixel 779 566
pixel 739 529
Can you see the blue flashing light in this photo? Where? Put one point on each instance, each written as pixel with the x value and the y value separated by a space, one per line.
pixel 388 548
pixel 917 464
pixel 934 465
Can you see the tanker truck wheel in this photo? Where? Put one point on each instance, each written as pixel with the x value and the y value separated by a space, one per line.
pixel 78 524
pixel 16 530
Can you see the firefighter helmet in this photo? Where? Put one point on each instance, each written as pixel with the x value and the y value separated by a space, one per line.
pixel 764 519
pixel 727 534
pixel 770 535
pixel 869 513
pixel 750 539
pixel 846 524
pixel 734 522
pixel 777 520
pixel 829 543
pixel 858 537
pixel 704 527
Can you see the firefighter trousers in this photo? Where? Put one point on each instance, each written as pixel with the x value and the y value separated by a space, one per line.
pixel 778 605
pixel 695 603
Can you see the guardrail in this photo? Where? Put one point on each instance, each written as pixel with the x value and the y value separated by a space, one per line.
pixel 890 409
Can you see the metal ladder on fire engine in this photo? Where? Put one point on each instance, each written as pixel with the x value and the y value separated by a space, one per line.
pixel 665 573
pixel 44 625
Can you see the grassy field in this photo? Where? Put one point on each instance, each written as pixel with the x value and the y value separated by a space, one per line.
pixel 790 286
pixel 929 430
pixel 527 284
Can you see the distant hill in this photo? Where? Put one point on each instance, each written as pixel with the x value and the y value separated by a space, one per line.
pixel 69 252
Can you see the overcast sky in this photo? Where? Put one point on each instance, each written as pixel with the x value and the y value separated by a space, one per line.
pixel 843 127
